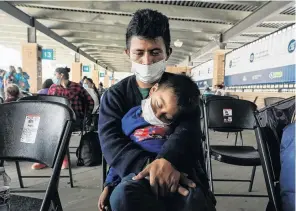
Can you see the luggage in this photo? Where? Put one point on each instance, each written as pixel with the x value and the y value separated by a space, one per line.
pixel 89 152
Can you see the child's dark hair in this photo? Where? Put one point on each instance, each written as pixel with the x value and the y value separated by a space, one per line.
pixel 149 24
pixel 186 91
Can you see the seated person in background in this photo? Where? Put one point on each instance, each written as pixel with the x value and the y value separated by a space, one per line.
pixel 45 87
pixel 12 93
pixel 144 126
pixel 81 102
pixel 207 91
pixel 9 77
pixel 90 87
pixel 287 176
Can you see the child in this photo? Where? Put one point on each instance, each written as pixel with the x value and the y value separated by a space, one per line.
pixel 149 125
pixel 12 93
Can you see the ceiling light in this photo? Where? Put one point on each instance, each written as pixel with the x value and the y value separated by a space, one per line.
pixel 178 43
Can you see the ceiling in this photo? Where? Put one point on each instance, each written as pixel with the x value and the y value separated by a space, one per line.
pixel 98 28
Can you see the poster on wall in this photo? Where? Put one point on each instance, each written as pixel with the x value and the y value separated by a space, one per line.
pixel 266 61
pixel 203 74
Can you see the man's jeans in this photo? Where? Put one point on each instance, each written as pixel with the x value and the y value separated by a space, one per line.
pixel 132 195
pixel 287 176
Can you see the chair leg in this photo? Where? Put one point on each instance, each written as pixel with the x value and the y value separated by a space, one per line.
pixel 252 178
pixel 1 163
pixel 70 170
pixel 241 137
pixel 19 174
pixel 236 134
pixel 227 135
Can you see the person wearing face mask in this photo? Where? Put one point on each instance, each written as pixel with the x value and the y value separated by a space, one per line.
pixel 22 79
pixel 148 47
pixel 90 87
pixel 146 128
pixel 81 102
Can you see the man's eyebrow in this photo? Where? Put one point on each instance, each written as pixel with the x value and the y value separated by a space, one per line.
pixel 162 100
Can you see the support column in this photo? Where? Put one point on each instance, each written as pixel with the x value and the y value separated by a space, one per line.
pixel 31 60
pixel 219 68
pixel 95 75
pixel 76 71
pixel 106 80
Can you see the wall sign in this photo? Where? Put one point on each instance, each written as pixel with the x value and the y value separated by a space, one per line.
pixel 266 61
pixel 48 54
pixel 203 74
pixel 85 68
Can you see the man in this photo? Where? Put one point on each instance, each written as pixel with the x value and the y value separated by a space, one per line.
pixel 148 47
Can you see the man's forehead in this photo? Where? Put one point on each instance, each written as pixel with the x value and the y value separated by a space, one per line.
pixel 141 43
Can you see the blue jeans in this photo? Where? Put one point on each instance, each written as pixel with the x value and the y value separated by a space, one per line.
pixel 287 176
pixel 132 195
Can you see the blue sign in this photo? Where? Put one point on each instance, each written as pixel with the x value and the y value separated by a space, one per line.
pixel 47 54
pixel 110 78
pixel 102 75
pixel 204 83
pixel 85 68
pixel 284 74
pixel 291 46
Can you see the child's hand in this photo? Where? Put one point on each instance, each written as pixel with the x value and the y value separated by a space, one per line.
pixel 104 199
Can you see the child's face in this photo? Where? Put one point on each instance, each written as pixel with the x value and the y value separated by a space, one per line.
pixel 163 103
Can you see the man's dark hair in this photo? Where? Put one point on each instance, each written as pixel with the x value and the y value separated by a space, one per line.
pixel 64 70
pixel 47 83
pixel 186 91
pixel 149 24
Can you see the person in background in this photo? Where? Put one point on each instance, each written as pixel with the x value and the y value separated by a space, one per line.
pixel 90 87
pixel 101 89
pixel 12 93
pixel 220 90
pixel 9 77
pixel 45 87
pixel 2 73
pixel 81 82
pixel 22 79
pixel 287 175
pixel 207 91
pixel 81 102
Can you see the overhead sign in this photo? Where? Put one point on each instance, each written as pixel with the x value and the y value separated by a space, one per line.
pixel 85 68
pixel 265 61
pixel 203 74
pixel 102 75
pixel 48 54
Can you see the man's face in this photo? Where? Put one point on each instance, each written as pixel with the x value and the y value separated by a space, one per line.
pixel 163 103
pixel 147 52
pixel 89 84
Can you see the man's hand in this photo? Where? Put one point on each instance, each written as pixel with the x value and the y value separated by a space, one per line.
pixel 164 178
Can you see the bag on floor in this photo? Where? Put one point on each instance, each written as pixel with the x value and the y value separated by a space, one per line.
pixel 89 151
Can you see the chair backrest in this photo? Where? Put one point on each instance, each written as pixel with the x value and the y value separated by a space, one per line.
pixel 272 120
pixel 229 114
pixel 271 100
pixel 29 130
pixel 234 96
pixel 49 98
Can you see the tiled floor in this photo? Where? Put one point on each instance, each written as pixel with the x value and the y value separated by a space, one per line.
pixel 88 182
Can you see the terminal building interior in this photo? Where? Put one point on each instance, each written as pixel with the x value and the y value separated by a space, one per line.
pixel 240 54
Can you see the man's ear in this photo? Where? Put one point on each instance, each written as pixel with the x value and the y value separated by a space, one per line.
pixel 170 51
pixel 127 52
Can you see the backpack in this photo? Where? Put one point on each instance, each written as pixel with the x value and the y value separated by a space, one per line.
pixel 89 152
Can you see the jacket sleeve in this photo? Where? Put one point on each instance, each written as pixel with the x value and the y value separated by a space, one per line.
pixel 119 151
pixel 183 147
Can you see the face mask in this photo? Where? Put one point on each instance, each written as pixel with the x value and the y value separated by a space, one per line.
pixel 148 114
pixel 56 80
pixel 149 73
pixel 85 86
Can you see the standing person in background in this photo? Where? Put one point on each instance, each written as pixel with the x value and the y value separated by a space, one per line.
pixel 2 73
pixel 9 77
pixel 91 88
pixel 81 82
pixel 22 79
pixel 12 93
pixel 101 89
pixel 45 87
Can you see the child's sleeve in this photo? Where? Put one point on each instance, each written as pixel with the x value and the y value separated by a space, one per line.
pixel 112 179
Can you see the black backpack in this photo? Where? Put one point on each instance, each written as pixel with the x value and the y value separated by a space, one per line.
pixel 89 152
